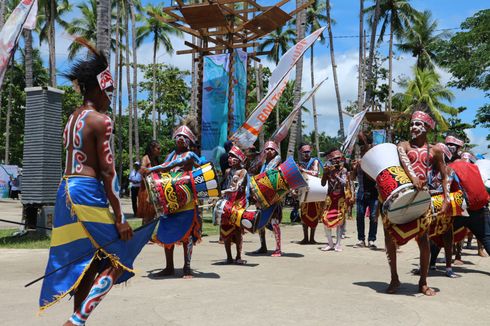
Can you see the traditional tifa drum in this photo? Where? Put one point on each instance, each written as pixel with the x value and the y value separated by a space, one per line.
pixel 271 186
pixel 228 214
pixel 171 191
pixel 314 192
pixel 402 203
pixel 458 204
pixel 484 167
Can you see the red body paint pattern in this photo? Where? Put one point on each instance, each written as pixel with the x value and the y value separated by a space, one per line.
pixel 420 161
pixel 406 161
pixel 107 146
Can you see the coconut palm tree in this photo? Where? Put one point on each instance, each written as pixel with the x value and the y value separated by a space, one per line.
pixel 420 40
pixel 51 13
pixel 104 27
pixel 373 21
pixel 159 33
pixel 334 71
pixel 278 42
pixel 398 15
pixel 132 12
pixel 425 92
pixel 296 127
pixel 314 19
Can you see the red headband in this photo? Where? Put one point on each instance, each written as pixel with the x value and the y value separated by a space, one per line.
pixel 424 117
pixel 454 140
pixel 445 150
pixel 334 154
pixel 238 153
pixel 305 148
pixel 185 131
pixel 271 144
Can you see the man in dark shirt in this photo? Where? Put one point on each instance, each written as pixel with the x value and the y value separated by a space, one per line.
pixel 223 160
pixel 367 197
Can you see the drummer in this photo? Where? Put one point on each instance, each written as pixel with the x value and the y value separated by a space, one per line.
pixel 441 228
pixel 418 159
pixel 234 190
pixel 183 226
pixel 335 210
pixel 272 161
pixel 310 212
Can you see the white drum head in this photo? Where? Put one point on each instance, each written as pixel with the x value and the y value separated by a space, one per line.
pixel 379 158
pixel 407 206
pixel 315 191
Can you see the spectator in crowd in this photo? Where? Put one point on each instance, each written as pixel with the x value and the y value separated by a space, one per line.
pixel 135 183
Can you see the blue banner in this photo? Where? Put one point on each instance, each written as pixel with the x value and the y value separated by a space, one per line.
pixel 239 88
pixel 214 130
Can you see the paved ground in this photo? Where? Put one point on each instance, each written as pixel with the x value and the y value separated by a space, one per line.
pixel 305 287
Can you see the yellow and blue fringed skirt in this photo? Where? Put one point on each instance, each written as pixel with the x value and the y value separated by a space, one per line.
pixel 82 225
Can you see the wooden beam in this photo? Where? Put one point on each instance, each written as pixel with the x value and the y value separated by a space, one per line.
pixel 303 6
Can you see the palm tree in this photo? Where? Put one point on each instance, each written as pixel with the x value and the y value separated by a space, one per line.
pixel 104 27
pixel 132 12
pixel 421 39
pixel 426 93
pixel 373 21
pixel 47 19
pixel 314 18
pixel 334 71
pixel 398 14
pixel 277 43
pixel 159 32
pixel 360 83
pixel 296 127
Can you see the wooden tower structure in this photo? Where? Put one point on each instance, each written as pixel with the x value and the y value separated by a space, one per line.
pixel 221 26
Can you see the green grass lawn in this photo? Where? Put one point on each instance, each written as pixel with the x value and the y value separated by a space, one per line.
pixel 36 241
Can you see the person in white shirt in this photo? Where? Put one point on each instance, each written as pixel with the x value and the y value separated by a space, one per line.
pixel 135 183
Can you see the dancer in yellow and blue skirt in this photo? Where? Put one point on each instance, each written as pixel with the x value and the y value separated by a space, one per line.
pixel 83 226
pixel 184 225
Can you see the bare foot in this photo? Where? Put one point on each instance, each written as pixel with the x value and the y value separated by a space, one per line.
pixel 458 262
pixel 276 253
pixel 313 242
pixel 240 261
pixel 165 272
pixel 303 242
pixel 68 323
pixel 393 287
pixel 427 290
pixel 229 261
pixel 482 253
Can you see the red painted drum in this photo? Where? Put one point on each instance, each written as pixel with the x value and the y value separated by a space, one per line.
pixel 225 213
pixel 170 191
pixel 402 203
pixel 271 186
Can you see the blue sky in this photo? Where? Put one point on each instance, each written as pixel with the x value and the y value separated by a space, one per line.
pixel 449 14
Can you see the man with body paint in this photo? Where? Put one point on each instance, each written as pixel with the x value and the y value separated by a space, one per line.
pixel 82 222
pixel 418 159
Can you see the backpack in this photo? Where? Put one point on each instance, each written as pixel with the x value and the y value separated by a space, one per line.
pixel 470 181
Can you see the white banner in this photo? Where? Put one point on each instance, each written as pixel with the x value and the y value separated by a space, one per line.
pixel 10 33
pixel 247 134
pixel 353 130
pixel 281 133
pixel 289 59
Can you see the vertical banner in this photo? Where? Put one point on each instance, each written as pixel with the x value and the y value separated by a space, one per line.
pixel 214 106
pixel 239 88
pixel 11 30
pixel 352 132
pixel 7 172
pixel 379 136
